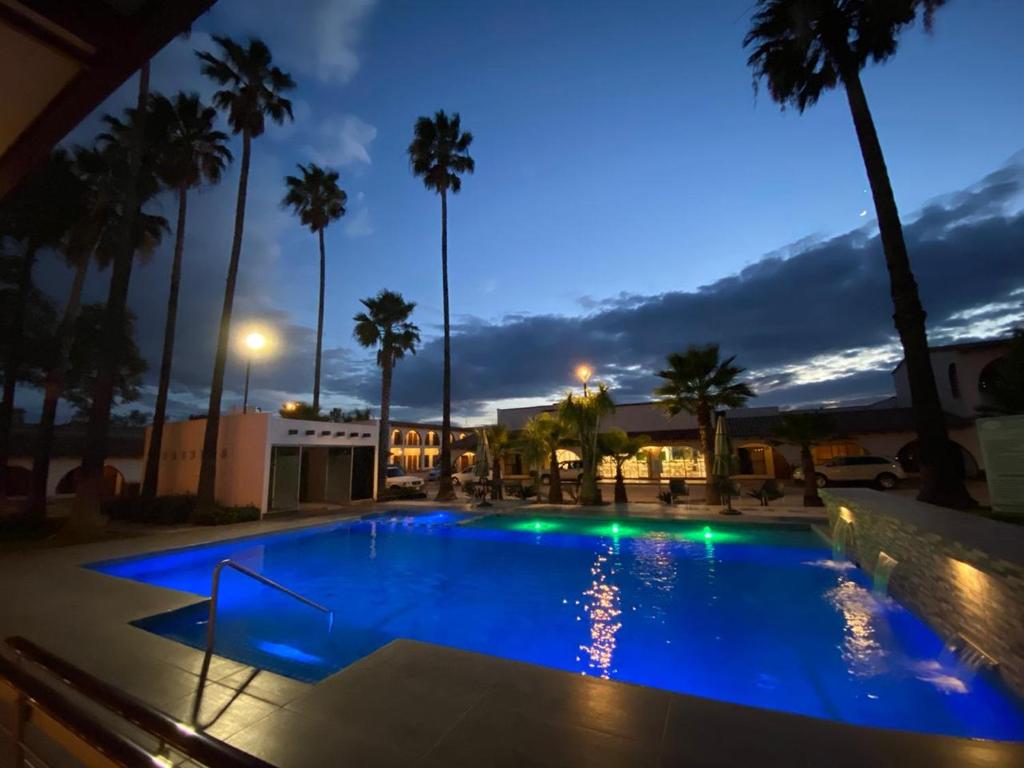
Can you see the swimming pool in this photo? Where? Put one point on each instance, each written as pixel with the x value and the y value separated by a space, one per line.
pixel 749 614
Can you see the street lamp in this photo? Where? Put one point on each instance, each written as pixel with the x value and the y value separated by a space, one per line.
pixel 254 342
pixel 583 373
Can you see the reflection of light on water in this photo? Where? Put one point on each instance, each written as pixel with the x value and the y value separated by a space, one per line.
pixel 373 541
pixel 933 673
pixel 861 650
pixel 288 652
pixel 832 565
pixel 602 608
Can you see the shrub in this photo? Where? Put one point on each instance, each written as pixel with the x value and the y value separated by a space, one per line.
pixel 175 510
pixel 227 515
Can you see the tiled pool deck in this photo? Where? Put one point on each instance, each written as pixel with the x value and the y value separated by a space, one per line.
pixel 413 703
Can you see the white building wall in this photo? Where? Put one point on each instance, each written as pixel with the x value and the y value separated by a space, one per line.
pixel 969 365
pixel 130 468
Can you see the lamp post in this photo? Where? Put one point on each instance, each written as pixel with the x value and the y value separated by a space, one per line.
pixel 254 342
pixel 583 373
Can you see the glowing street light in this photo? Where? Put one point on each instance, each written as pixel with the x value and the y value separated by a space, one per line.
pixel 254 342
pixel 291 405
pixel 583 373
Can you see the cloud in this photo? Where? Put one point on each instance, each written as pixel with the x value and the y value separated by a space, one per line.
pixel 315 38
pixel 342 140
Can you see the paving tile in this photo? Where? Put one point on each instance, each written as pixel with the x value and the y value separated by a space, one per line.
pixel 492 736
pixel 223 711
pixel 293 740
pixel 269 686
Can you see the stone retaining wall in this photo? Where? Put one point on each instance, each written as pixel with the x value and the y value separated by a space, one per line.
pixel 961 573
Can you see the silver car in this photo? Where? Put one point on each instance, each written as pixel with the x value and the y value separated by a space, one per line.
pixel 883 472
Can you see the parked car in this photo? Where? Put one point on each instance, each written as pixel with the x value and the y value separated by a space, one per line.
pixel 569 471
pixel 465 476
pixel 434 473
pixel 883 472
pixel 395 477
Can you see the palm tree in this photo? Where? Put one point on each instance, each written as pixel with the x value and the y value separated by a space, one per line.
pixel 194 152
pixel 317 200
pixel 37 215
pixel 252 89
pixel 91 238
pixel 618 445
pixel 385 325
pixel 128 147
pixel 439 153
pixel 583 413
pixel 803 48
pixel 806 430
pixel 699 383
pixel 550 432
pixel 500 445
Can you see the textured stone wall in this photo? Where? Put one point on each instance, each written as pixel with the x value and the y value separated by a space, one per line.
pixel 962 574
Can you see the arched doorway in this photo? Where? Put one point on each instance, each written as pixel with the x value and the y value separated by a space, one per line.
pixel 110 485
pixel 908 459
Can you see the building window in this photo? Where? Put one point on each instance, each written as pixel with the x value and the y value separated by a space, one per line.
pixel 954 381
pixel 396 437
pixel 412 438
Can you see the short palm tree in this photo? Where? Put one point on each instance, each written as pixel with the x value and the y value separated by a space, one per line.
pixel 803 48
pixel 806 429
pixel 252 90
pixel 550 432
pixel 583 413
pixel 620 447
pixel 385 326
pixel 317 200
pixel 194 152
pixel 439 154
pixel 698 382
pixel 501 445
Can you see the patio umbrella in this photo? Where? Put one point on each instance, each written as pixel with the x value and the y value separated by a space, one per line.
pixel 482 466
pixel 722 466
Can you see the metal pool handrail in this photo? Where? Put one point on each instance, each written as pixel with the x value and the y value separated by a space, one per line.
pixel 211 622
pixel 211 625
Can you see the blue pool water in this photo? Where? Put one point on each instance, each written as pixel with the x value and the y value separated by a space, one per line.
pixel 736 613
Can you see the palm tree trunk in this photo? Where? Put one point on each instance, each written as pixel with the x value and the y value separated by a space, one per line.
pixel 811 498
pixel 555 481
pixel 206 495
pixel 707 446
pixel 588 483
pixel 319 326
pixel 620 485
pixel 52 392
pixel 152 474
pixel 13 362
pixel 445 492
pixel 384 433
pixel 86 508
pixel 941 472
pixel 497 492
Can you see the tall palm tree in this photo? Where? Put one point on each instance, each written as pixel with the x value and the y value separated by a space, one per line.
pixel 806 430
pixel 385 325
pixel 803 48
pixel 620 447
pixel 584 413
pixel 194 152
pixel 439 153
pixel 252 90
pixel 699 383
pixel 37 215
pixel 93 237
pixel 317 200
pixel 128 147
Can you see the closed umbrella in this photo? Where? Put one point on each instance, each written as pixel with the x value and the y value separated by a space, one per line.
pixel 722 465
pixel 482 466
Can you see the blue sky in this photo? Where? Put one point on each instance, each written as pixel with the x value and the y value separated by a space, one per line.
pixel 623 162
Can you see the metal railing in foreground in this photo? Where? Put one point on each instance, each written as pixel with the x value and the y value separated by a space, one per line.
pixel 79 732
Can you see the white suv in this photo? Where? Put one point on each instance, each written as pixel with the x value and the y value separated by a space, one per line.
pixel 883 472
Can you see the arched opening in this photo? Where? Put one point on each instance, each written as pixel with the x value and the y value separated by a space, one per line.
pixel 412 437
pixel 989 377
pixel 465 461
pixel 18 481
pixel 396 437
pixel 109 486
pixel 432 438
pixel 908 459
pixel 954 381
